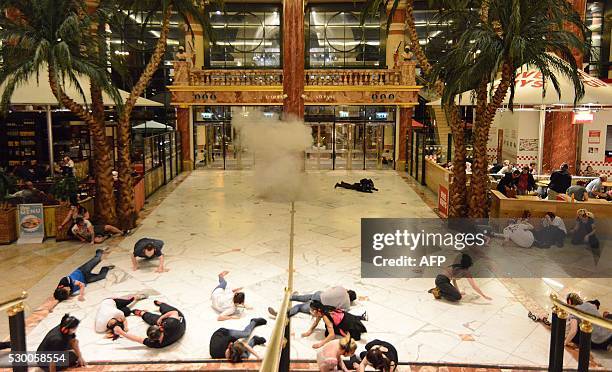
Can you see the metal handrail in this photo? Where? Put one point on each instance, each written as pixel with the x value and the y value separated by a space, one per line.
pixel 14 301
pixel 593 319
pixel 278 340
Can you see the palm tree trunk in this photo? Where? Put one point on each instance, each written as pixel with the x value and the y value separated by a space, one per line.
pixel 104 209
pixel 485 113
pixel 457 188
pixel 105 204
pixel 127 210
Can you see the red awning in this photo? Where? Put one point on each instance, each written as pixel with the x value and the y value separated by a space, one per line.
pixel 416 124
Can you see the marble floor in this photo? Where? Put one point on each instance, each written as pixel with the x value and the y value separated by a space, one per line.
pixel 213 221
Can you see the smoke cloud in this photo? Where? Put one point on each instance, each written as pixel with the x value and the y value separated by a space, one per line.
pixel 278 149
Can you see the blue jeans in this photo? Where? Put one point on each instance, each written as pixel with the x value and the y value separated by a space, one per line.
pixel 245 333
pixel 304 307
pixel 222 283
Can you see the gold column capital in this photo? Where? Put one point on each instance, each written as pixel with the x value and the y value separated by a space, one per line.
pixel 15 309
pixel 562 314
pixel 586 326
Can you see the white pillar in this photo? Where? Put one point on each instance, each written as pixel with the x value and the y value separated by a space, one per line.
pixel 541 138
pixel 50 140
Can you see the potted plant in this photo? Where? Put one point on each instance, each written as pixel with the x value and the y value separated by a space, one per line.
pixel 8 213
pixel 63 190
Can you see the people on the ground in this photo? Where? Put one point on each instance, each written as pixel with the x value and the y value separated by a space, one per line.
pixel 520 232
pixel 164 329
pixel 595 187
pixel 381 355
pixel 578 192
pixel 76 281
pixel 234 344
pixel 364 185
pixel 507 168
pixel 459 270
pixel 113 312
pixel 507 185
pixel 337 297
pixel 226 301
pixel 553 231
pixel 584 230
pixel 329 358
pixel 337 322
pixel 589 172
pixel 601 338
pixel 149 248
pixel 76 211
pixel 62 338
pixel 525 182
pixel 85 231
pixel 560 181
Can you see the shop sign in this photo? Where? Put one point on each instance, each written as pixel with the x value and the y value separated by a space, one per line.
pixel 31 223
pixel 582 117
pixel 443 201
pixel 595 137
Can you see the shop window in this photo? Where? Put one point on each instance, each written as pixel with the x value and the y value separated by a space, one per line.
pixel 246 36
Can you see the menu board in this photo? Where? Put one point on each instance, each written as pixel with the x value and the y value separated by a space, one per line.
pixel 31 223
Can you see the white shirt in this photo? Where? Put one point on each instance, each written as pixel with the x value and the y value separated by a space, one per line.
pixel 223 301
pixel 594 185
pixel 520 234
pixel 506 169
pixel 557 221
pixel 107 311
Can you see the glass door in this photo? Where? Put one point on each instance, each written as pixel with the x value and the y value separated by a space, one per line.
pixel 373 146
pixel 215 145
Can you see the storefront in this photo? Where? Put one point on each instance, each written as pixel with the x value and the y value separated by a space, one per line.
pixel 343 137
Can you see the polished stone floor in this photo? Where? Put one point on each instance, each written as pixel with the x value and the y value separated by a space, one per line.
pixel 214 221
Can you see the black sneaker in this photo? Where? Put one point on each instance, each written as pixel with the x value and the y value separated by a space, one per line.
pixel 336 186
pixel 110 267
pixel 259 321
pixel 127 232
pixel 258 340
pixel 272 311
pixel 99 251
pixel 364 316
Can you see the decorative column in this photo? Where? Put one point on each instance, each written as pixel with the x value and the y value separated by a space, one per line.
pixel 561 136
pixel 195 46
pixel 404 137
pixel 293 57
pixel 184 128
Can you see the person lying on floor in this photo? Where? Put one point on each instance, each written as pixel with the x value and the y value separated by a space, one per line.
pixel 337 322
pixel 77 280
pixel 336 297
pixel 365 185
pixel 114 312
pixel 148 249
pixel 379 354
pixel 601 338
pixel 226 301
pixel 164 329
pixel 232 344
pixel 84 231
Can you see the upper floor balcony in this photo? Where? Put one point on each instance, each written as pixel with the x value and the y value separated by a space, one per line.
pixel 321 86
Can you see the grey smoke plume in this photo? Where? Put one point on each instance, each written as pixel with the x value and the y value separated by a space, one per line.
pixel 278 148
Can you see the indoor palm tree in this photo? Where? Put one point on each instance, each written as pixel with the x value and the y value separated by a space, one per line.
pixel 52 37
pixel 502 37
pixel 189 11
pixel 457 189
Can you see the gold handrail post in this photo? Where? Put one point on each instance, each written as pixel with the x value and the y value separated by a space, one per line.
pixel 16 315
pixel 584 353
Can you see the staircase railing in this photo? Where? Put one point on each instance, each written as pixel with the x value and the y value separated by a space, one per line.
pixel 277 357
pixel 15 311
pixel 560 313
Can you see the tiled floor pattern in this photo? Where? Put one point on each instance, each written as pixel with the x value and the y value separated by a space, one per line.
pixel 213 221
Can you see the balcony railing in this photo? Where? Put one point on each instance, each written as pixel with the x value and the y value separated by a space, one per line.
pixel 236 77
pixel 185 74
pixel 352 77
